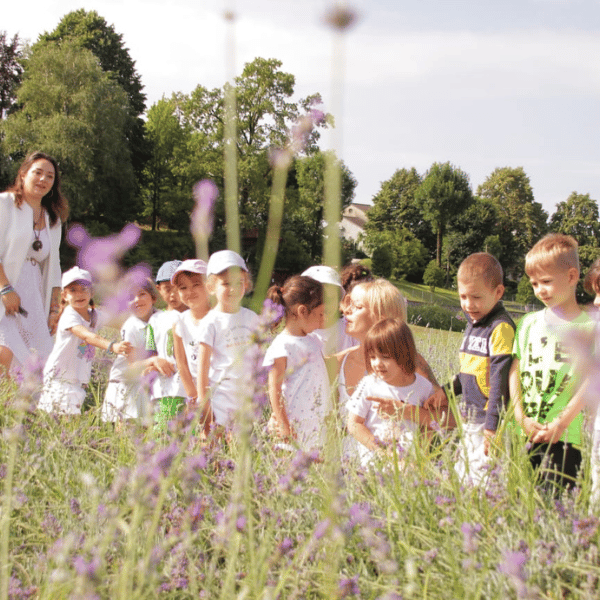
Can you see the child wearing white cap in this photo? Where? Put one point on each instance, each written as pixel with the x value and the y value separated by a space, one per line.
pixel 224 338
pixel 332 336
pixel 69 366
pixel 190 281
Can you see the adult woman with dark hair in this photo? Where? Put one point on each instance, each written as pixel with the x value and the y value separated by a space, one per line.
pixel 32 211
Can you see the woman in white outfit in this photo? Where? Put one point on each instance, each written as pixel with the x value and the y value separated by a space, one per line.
pixel 32 211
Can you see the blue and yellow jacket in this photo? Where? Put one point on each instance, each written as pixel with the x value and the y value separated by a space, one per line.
pixel 485 359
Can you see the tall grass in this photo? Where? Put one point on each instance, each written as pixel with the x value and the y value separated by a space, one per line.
pixel 89 512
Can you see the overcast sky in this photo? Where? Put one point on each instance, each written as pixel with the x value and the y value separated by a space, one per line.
pixel 479 83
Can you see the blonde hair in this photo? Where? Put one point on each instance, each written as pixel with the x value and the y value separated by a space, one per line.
pixel 384 299
pixel 554 250
pixel 482 265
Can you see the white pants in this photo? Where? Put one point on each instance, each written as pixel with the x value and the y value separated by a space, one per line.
pixel 472 461
pixel 62 398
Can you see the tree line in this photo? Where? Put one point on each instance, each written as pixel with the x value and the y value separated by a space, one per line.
pixel 76 94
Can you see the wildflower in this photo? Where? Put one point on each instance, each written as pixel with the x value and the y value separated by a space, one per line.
pixel 87 569
pixel 340 17
pixel 469 532
pixel 205 195
pixel 513 565
pixel 348 587
pixel 75 507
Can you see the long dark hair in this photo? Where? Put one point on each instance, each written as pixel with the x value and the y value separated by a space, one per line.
pixel 54 202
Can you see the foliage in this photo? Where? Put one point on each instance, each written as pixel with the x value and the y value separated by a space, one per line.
pixel 434 276
pixel 90 30
pixel 11 71
pixel 444 193
pixel 525 294
pixel 436 317
pixel 521 220
pixel 74 111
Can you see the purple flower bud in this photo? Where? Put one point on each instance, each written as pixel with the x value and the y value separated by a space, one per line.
pixel 205 194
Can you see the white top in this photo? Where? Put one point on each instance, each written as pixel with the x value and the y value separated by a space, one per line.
pixel 386 429
pixel 229 336
pixel 161 328
pixel 188 329
pixel 134 332
pixel 331 344
pixel 71 358
pixel 305 388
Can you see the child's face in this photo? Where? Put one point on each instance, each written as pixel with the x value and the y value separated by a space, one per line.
pixel 141 304
pixel 78 296
pixel 554 287
pixel 387 369
pixel 315 319
pixel 230 287
pixel 170 295
pixel 477 298
pixel 192 291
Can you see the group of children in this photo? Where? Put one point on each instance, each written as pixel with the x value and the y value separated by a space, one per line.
pixel 194 355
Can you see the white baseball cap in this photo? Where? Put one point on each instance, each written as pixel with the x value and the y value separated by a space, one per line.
pixel 324 274
pixel 192 265
pixel 75 274
pixel 224 259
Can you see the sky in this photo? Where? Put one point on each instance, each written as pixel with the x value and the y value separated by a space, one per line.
pixel 482 84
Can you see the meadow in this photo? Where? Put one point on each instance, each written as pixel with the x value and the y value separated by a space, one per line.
pixel 92 512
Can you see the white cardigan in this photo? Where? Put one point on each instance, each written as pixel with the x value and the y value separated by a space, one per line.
pixel 16 237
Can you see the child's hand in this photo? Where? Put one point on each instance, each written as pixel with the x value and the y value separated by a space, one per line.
pixel 437 400
pixel 163 366
pixel 531 427
pixel 488 440
pixel 285 432
pixel 387 406
pixel 123 348
pixel 549 433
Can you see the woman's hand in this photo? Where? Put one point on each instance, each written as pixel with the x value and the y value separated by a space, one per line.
pixel 11 303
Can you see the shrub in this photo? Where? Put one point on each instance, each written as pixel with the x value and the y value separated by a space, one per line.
pixel 436 317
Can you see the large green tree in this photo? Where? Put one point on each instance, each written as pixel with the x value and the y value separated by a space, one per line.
pixel 72 109
pixel 11 71
pixel 521 220
pixel 88 29
pixel 578 216
pixel 444 193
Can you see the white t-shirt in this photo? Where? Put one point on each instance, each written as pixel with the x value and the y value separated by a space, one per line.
pixel 71 358
pixel 386 429
pixel 188 329
pixel 134 332
pixel 229 336
pixel 161 329
pixel 305 387
pixel 334 339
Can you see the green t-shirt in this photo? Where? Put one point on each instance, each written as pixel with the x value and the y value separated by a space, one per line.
pixel 547 379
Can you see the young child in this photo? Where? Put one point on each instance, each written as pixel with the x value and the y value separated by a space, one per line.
pixel 168 393
pixel 485 359
pixel 69 366
pixel 298 381
pixel 225 336
pixel 542 382
pixel 125 397
pixel 332 334
pixel 390 356
pixel 189 279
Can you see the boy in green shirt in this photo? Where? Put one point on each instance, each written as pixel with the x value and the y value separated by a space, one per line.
pixel 542 382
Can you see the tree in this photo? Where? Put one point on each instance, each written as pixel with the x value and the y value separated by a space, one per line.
pixel 525 293
pixel 434 275
pixel 577 216
pixel 444 193
pixel 90 30
pixel 73 110
pixel 521 220
pixel 11 71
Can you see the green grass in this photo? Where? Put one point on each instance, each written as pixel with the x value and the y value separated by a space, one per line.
pixel 91 512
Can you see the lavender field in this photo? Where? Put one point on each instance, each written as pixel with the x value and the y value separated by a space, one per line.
pixel 90 512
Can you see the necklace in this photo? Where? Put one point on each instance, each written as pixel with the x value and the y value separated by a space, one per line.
pixel 37 243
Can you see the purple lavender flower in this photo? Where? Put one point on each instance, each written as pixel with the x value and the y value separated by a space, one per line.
pixel 87 568
pixel 470 543
pixel 205 194
pixel 513 565
pixel 348 587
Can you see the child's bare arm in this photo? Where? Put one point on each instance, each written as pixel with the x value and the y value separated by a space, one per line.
pixel 530 426
pixel 204 356
pixel 358 429
pixel 182 366
pixel 550 433
pixel 275 381
pixel 89 337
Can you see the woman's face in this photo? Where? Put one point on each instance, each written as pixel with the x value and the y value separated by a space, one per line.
pixel 38 180
pixel 359 318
